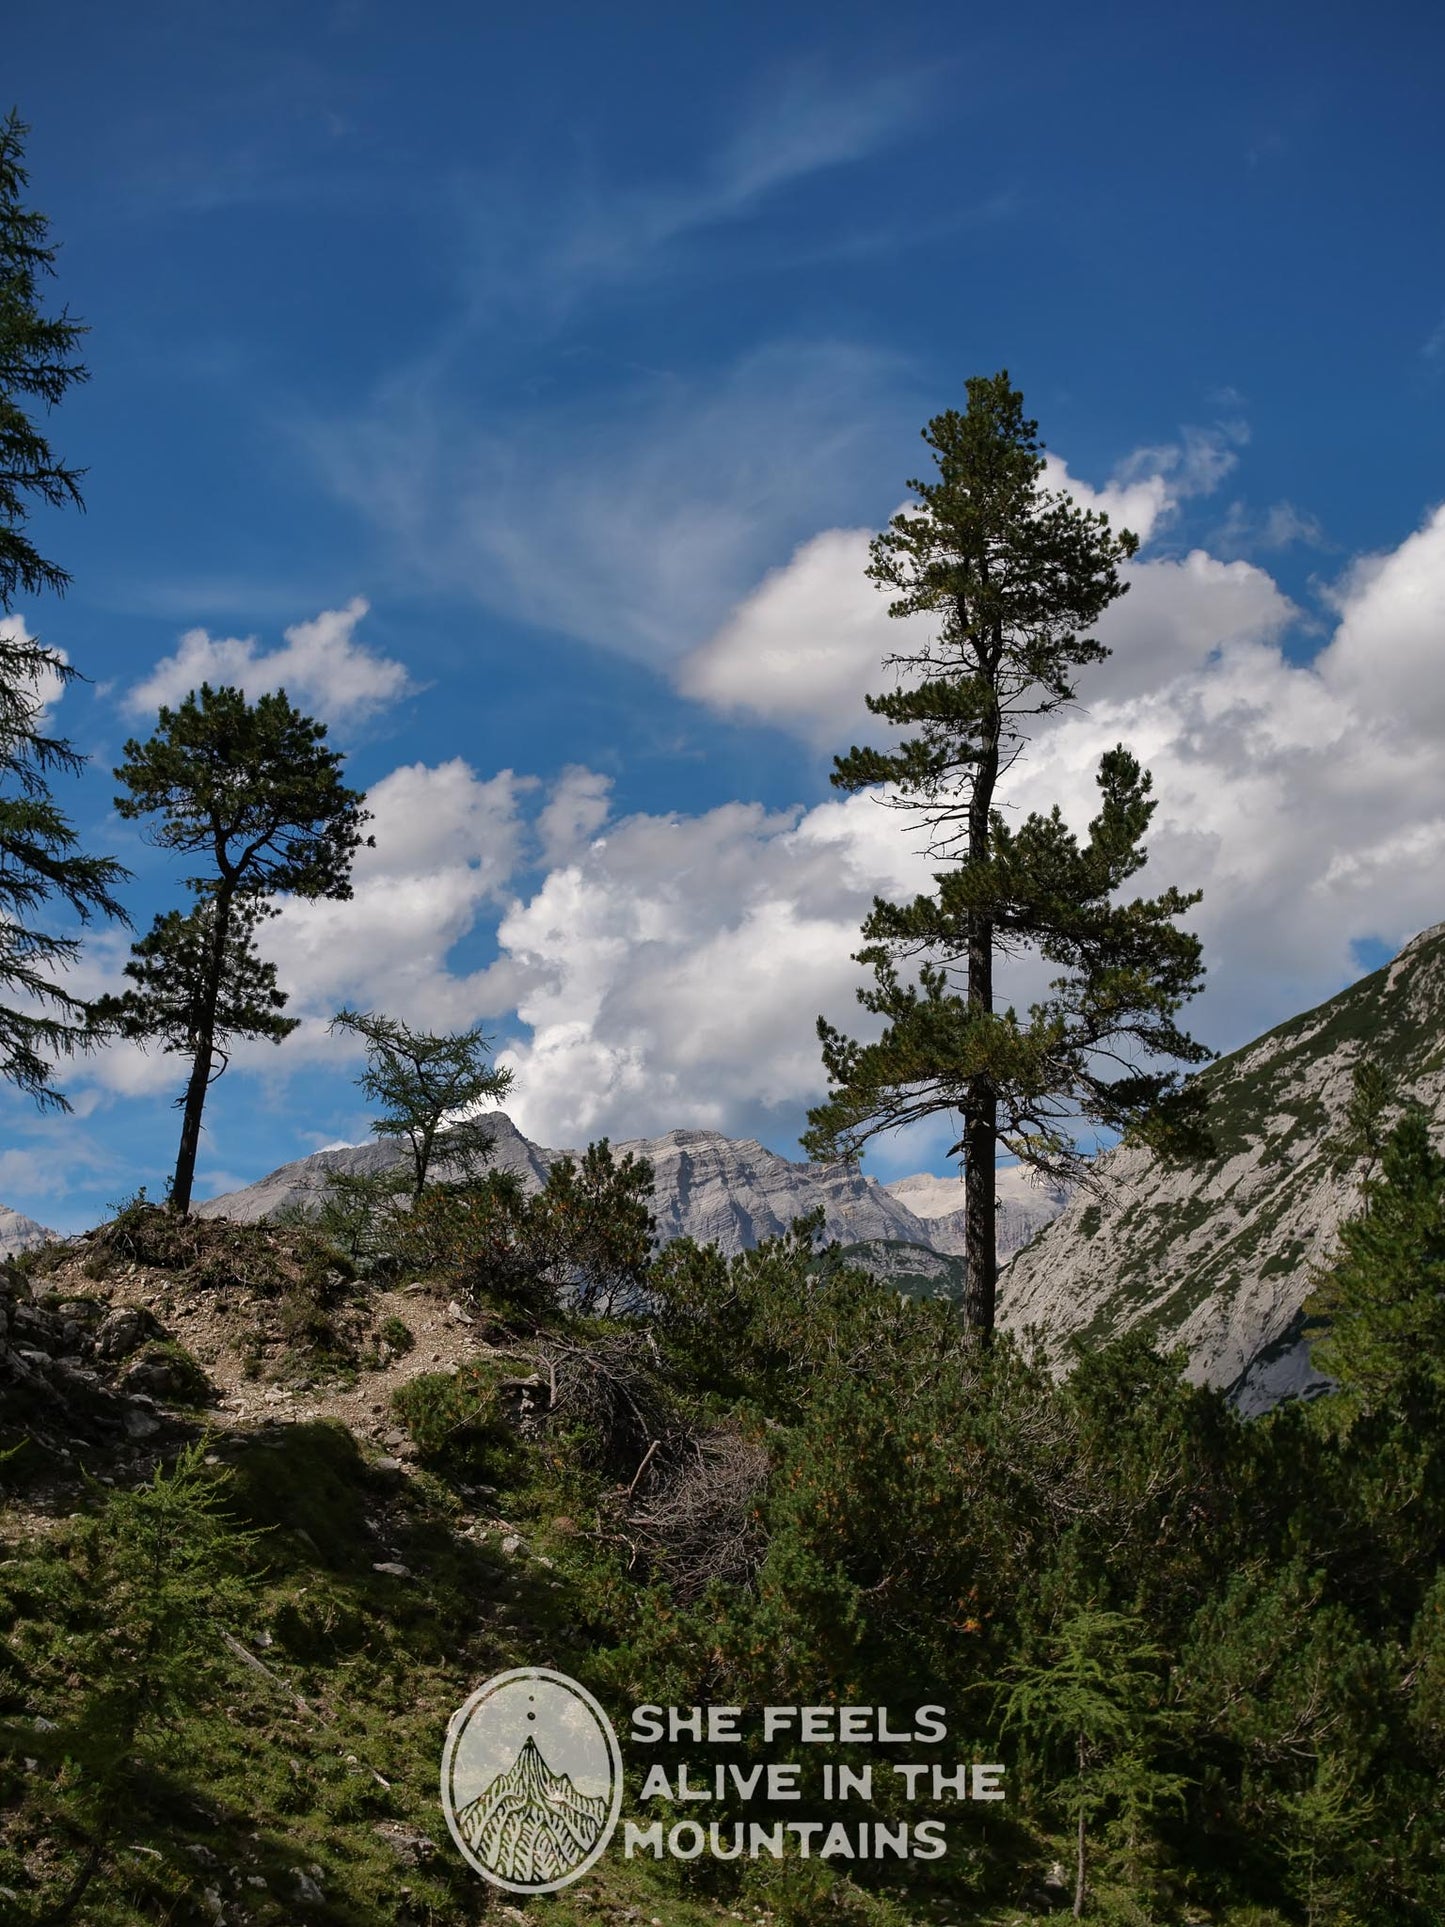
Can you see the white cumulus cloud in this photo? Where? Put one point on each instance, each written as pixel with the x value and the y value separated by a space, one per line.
pixel 447 842
pixel 321 666
pixel 1388 654
pixel 667 970
pixel 808 642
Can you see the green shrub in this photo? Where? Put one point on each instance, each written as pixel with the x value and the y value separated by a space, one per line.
pixel 454 1417
pixel 397 1334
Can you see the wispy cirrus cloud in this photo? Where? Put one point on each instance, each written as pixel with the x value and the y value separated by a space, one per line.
pixel 633 521
pixel 593 231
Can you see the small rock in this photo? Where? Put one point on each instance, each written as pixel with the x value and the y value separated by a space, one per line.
pixel 393 1566
pixel 510 1544
pixel 307 1891
pixel 123 1330
pixel 388 1465
pixel 409 1846
pixel 139 1423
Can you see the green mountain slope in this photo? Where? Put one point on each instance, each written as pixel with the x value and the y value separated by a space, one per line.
pixel 1219 1257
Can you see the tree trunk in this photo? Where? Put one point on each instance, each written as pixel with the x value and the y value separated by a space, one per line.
pixel 205 1057
pixel 980 1110
pixel 421 1146
pixel 195 1103
pixel 979 1196
pixel 1079 1865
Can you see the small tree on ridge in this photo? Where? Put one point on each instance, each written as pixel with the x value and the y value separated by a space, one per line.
pixel 423 1080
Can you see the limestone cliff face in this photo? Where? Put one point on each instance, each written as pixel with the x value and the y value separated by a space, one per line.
pixel 1220 1258
pixel 1023 1209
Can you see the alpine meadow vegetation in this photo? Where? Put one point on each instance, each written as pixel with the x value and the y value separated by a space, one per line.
pixel 1209 1651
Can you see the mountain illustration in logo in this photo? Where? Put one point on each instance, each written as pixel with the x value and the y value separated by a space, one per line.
pixel 531 1825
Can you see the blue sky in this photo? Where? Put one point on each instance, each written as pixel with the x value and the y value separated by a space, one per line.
pixel 543 376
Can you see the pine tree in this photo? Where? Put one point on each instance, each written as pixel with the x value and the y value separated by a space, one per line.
pixel 1361 1140
pixel 1014 578
pixel 252 789
pixel 427 1084
pixel 40 858
pixel 1096 1702
pixel 37 359
pixel 1384 1298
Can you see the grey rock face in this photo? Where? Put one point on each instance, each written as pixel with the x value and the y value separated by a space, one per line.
pixel 303 1182
pixel 720 1190
pixel 733 1193
pixel 19 1233
pixel 1219 1258
pixel 1023 1209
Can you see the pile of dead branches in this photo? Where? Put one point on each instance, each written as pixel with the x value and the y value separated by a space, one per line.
pixel 701 1521
pixel 612 1390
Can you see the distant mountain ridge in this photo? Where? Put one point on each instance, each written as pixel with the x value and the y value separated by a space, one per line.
pixel 1024 1207
pixel 1218 1258
pixel 731 1192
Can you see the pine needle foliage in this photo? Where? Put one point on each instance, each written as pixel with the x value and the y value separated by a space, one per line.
pixel 428 1084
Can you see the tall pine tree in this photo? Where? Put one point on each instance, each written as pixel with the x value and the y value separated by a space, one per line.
pixel 1012 578
pixel 40 858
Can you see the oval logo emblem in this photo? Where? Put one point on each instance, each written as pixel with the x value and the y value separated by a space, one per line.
pixel 531 1780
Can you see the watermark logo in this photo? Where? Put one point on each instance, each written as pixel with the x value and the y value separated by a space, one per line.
pixel 531 1780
